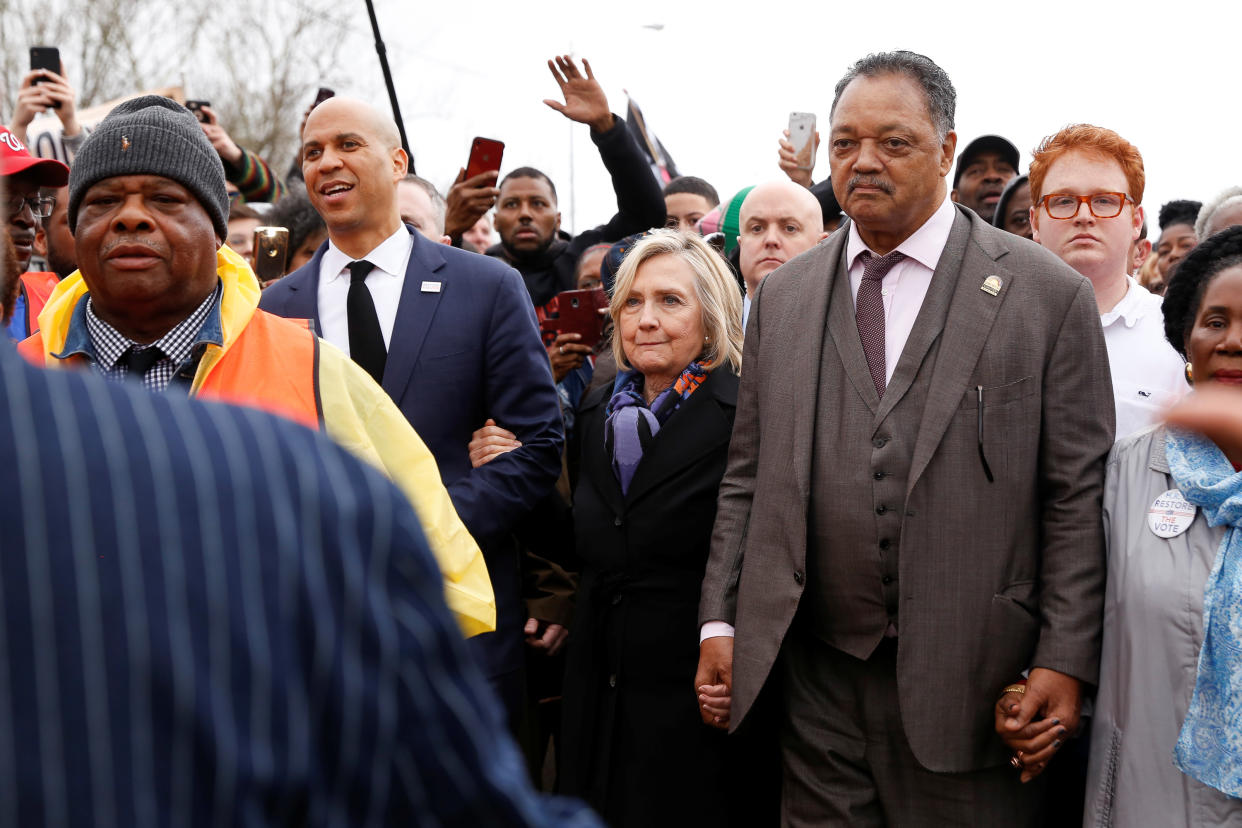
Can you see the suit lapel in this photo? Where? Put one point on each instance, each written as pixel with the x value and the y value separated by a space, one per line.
pixel 844 329
pixel 818 293
pixel 931 317
pixel 697 428
pixel 972 312
pixel 303 300
pixel 415 311
pixel 597 465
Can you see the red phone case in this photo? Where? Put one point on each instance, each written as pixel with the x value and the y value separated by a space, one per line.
pixel 485 155
pixel 578 312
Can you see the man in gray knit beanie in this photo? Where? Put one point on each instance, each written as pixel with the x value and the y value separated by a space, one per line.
pixel 152 135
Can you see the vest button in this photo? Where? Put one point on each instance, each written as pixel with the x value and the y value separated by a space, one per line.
pixel 616 521
pixel 885 543
pixel 886 580
pixel 879 510
pixel 879 442
pixel 878 475
pixel 612 680
pixel 798 576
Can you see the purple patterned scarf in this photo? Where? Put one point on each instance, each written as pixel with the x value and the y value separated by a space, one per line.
pixel 631 425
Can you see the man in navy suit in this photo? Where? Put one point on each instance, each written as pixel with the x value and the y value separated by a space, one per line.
pixel 450 335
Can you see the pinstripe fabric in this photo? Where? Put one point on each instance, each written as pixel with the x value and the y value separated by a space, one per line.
pixel 209 617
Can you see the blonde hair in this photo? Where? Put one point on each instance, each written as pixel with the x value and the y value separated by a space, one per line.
pixel 720 298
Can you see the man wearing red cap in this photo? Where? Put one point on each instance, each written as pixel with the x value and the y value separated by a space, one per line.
pixel 23 175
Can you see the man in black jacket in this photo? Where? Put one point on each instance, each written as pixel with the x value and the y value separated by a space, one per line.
pixel 526 210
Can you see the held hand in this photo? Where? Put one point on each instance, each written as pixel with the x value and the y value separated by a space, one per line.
pixel 225 146
pixel 468 200
pixel 566 354
pixel 550 640
pixel 1035 724
pixel 490 442
pixel 788 162
pixel 585 101
pixel 713 682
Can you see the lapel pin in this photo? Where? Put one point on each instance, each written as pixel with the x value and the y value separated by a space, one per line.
pixel 991 285
pixel 431 287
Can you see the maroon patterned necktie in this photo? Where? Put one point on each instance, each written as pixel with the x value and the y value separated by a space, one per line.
pixel 869 312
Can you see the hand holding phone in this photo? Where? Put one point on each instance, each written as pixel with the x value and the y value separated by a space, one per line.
pixel 271 253
pixel 197 107
pixel 485 155
pixel 45 58
pixel 802 137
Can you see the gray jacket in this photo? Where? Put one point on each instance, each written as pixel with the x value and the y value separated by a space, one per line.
pixel 1153 629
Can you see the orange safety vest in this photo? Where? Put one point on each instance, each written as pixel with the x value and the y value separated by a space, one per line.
pixel 273 365
pixel 38 286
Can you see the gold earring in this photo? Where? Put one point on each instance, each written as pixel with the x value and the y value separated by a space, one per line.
pixel 1190 375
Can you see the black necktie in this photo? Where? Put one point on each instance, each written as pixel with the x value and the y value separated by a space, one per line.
pixel 139 360
pixel 366 342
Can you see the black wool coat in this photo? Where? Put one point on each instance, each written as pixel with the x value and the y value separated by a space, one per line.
pixel 633 744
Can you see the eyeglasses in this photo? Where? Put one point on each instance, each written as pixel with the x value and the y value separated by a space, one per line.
pixel 41 206
pixel 1101 205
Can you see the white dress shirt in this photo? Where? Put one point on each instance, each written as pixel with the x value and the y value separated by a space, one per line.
pixel 385 282
pixel 1148 375
pixel 904 287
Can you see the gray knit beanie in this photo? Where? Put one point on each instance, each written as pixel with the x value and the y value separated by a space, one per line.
pixel 152 135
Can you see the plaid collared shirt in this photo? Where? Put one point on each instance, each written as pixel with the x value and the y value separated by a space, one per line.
pixel 177 345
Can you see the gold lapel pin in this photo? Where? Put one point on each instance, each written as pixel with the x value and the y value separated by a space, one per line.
pixel 124 144
pixel 991 285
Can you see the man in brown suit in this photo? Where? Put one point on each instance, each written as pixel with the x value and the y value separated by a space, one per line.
pixel 911 512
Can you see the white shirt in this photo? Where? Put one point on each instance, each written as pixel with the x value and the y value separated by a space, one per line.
pixel 1148 375
pixel 904 287
pixel 390 259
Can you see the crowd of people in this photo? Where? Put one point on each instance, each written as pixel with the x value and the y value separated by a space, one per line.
pixel 849 502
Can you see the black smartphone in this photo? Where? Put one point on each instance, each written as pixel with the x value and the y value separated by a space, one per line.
pixel 197 108
pixel 45 57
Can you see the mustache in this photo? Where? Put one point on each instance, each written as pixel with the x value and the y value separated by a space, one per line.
pixel 129 241
pixel 868 181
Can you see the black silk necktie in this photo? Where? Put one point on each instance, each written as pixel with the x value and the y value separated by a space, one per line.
pixel 139 361
pixel 366 341
pixel 869 313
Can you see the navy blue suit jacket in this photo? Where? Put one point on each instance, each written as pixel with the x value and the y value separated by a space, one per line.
pixel 209 616
pixel 460 354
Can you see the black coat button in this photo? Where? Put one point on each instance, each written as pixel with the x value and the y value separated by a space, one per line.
pixel 616 521
pixel 798 576
pixel 885 543
pixel 612 680
pixel 616 599
pixel 878 475
pixel 886 580
pixel 879 442
pixel 879 510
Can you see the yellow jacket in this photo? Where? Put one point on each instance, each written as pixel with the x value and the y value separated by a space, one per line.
pixel 353 410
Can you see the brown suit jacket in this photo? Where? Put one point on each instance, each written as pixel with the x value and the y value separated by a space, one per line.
pixel 994 577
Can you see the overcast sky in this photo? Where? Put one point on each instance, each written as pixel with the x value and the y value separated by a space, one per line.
pixel 717 84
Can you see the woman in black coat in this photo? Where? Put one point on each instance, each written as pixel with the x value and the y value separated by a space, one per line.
pixel 650 453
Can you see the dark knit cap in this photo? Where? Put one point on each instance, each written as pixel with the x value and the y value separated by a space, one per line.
pixel 152 135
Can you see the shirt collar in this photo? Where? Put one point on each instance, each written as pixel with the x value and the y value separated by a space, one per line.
pixel 1133 306
pixel 923 245
pixel 389 257
pixel 109 344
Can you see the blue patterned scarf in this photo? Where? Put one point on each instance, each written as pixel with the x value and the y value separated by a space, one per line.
pixel 1209 747
pixel 631 425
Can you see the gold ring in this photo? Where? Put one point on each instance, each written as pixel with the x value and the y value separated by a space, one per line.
pixel 1020 689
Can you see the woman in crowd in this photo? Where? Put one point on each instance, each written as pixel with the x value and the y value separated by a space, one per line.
pixel 1165 746
pixel 648 456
